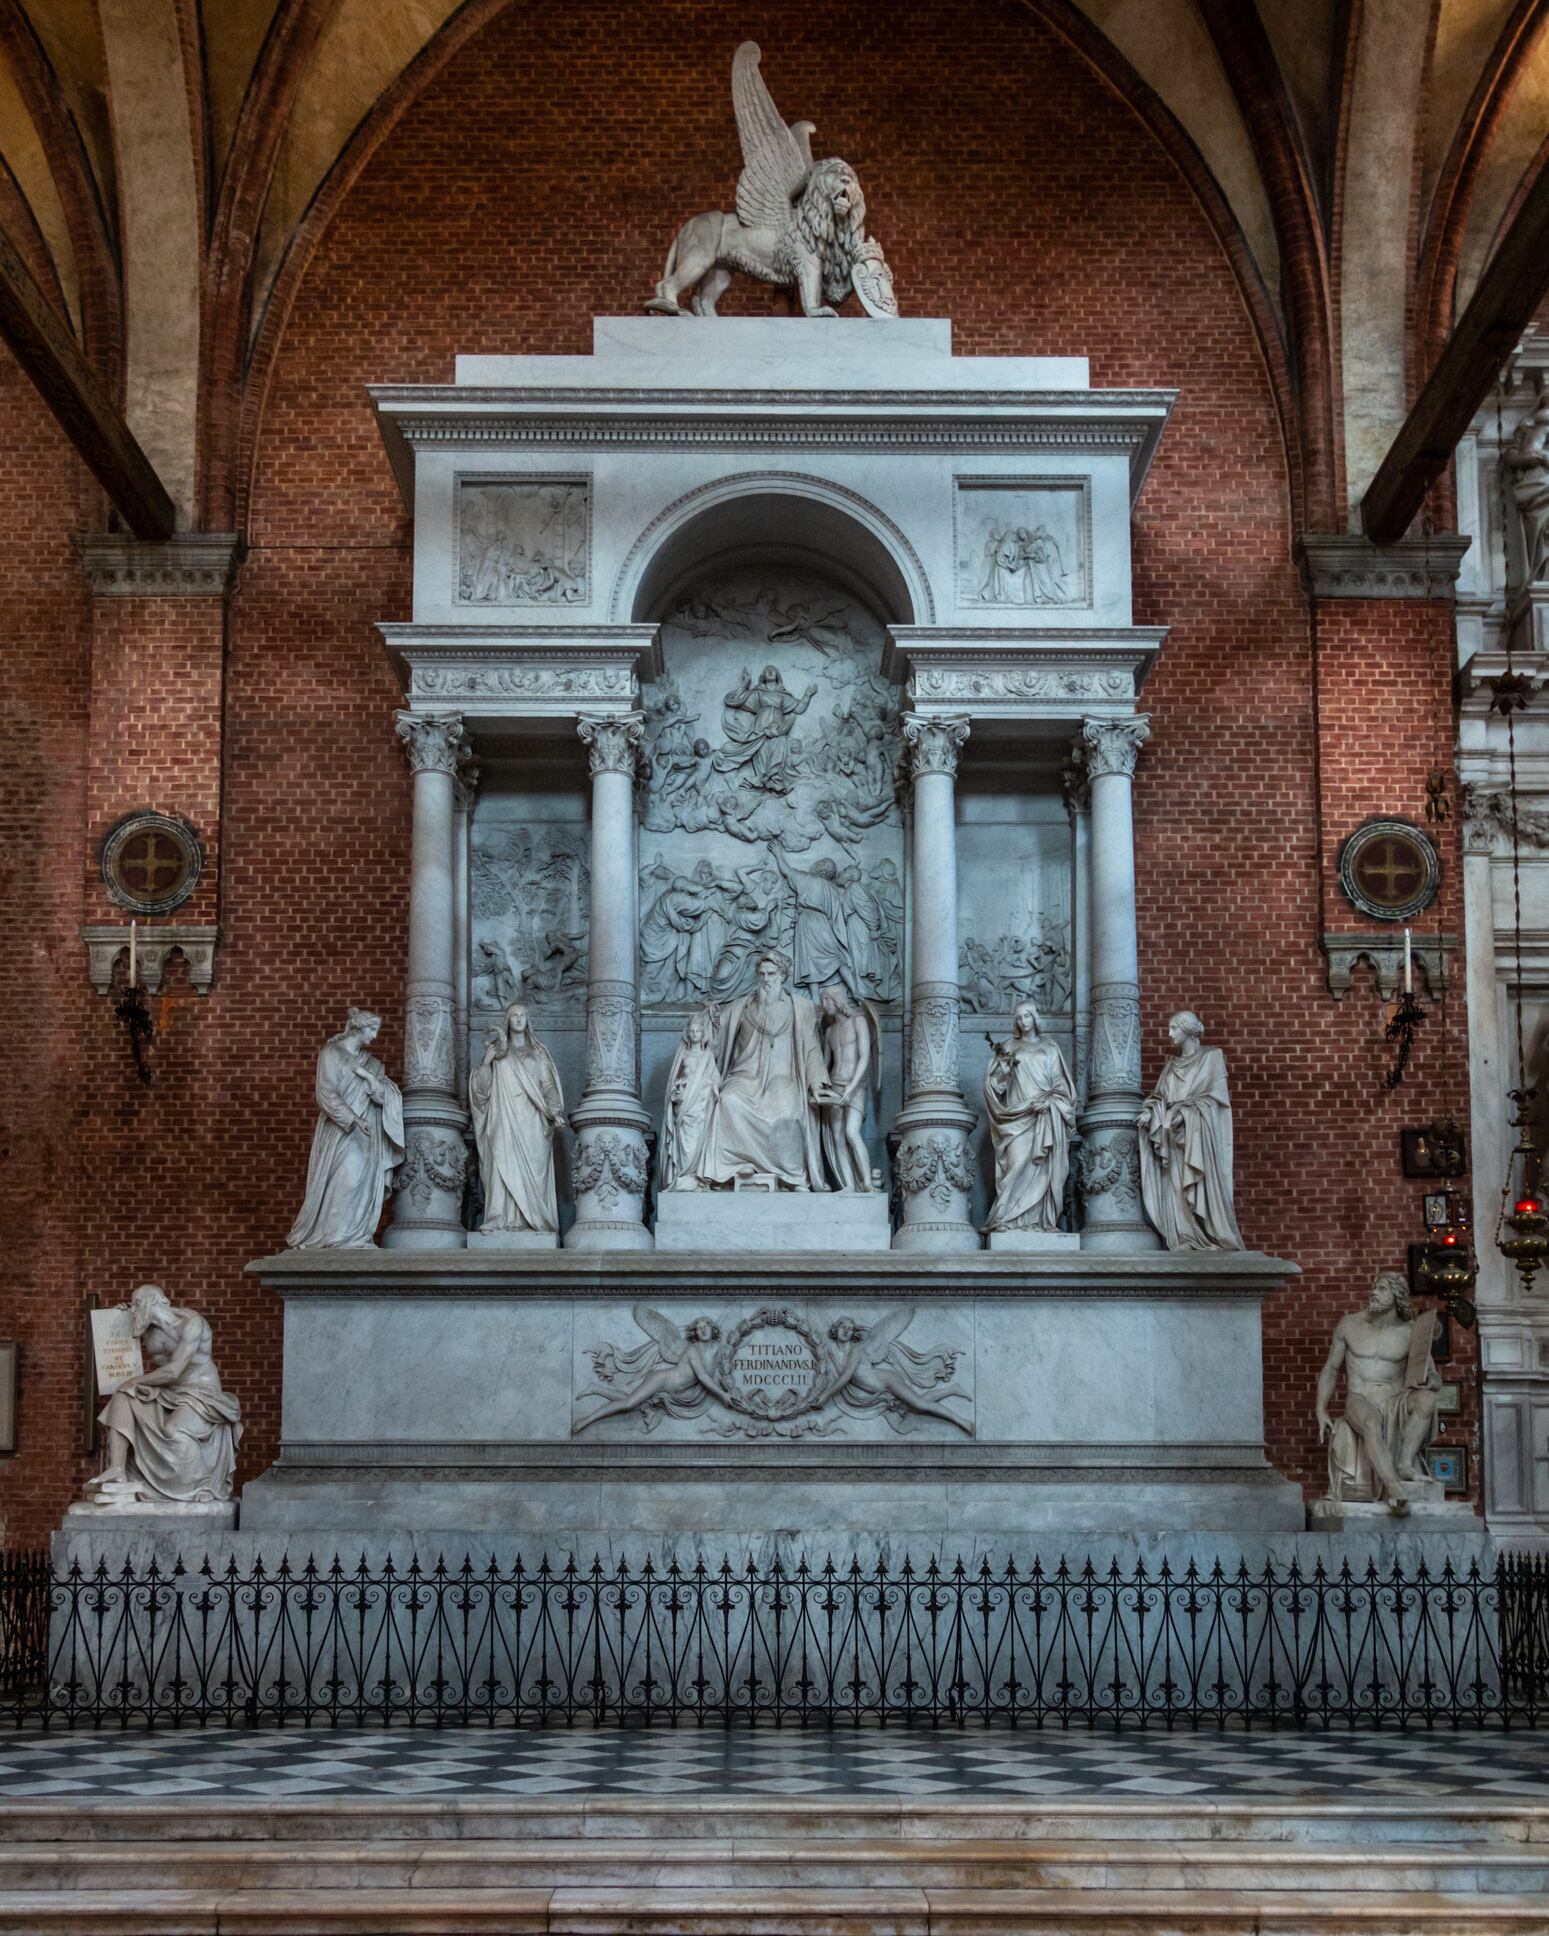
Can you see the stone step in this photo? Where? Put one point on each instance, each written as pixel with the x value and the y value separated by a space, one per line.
pixel 1422 1821
pixel 786 1863
pixel 880 1910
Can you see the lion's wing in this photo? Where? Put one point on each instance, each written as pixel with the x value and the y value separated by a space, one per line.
pixel 774 170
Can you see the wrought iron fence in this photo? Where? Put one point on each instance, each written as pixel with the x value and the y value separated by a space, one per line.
pixel 536 1645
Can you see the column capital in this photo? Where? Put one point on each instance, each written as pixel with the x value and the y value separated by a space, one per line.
pixel 612 740
pixel 934 743
pixel 433 742
pixel 465 784
pixel 1112 745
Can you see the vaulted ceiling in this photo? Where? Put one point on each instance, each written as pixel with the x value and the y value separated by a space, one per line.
pixel 166 164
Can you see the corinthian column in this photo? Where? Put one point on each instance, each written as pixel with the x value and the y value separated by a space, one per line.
pixel 427 1214
pixel 609 1172
pixel 1110 1155
pixel 934 1177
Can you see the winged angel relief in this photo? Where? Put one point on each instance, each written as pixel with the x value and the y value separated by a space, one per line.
pixel 800 223
pixel 679 1372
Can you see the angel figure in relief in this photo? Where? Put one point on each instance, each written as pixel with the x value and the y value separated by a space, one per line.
pixel 800 223
pixel 878 1373
pixel 672 1370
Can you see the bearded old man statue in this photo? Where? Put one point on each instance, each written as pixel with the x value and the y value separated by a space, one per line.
pixel 517 1106
pixel 1031 1107
pixel 357 1145
pixel 774 1081
pixel 1186 1145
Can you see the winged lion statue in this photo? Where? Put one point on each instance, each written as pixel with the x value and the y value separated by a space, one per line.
pixel 800 223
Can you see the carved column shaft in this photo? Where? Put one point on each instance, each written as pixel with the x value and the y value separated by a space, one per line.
pixel 610 1172
pixel 933 1171
pixel 1110 1156
pixel 464 787
pixel 427 1214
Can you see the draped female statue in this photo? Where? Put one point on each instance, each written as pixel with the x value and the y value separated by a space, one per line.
pixel 517 1106
pixel 1031 1106
pixel 1186 1146
pixel 357 1145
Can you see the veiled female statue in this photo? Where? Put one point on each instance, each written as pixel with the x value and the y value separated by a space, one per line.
pixel 356 1146
pixel 1186 1146
pixel 693 1083
pixel 517 1107
pixel 1031 1105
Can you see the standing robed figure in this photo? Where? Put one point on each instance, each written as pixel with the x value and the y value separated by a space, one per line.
pixel 1031 1105
pixel 517 1106
pixel 357 1145
pixel 1186 1145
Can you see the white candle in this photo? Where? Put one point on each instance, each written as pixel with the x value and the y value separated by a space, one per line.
pixel 1409 972
pixel 131 954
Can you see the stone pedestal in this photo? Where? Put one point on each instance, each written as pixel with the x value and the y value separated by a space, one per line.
pixel 186 1519
pixel 985 1396
pixel 1430 1511
pixel 517 1240
pixel 774 1223
pixel 1034 1243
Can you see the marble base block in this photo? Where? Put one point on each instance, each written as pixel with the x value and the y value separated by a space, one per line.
pixel 513 1240
pixel 1046 1241
pixel 784 1220
pixel 1430 1511
pixel 205 1516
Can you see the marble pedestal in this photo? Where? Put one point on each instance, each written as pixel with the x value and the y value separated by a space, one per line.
pixel 1430 1511
pixel 190 1520
pixel 1035 1243
pixel 1072 1395
pixel 736 1221
pixel 514 1240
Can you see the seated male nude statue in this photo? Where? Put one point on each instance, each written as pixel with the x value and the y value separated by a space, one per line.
pixel 1391 1386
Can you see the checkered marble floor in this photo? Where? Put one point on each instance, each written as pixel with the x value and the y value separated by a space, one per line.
pixel 294 1763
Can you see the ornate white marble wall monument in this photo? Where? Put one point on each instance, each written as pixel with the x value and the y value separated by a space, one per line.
pixel 795 655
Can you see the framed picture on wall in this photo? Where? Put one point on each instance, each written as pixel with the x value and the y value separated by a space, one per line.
pixel 1449 1463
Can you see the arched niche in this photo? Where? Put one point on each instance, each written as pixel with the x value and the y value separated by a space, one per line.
pixel 774 518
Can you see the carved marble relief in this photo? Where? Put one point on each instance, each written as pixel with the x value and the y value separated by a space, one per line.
pixel 523 543
pixel 771 814
pixel 776 1373
pixel 1022 542
pixel 1015 916
pixel 530 892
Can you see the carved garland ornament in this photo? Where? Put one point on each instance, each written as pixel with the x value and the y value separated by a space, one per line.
pixel 1111 1169
pixel 608 1166
pixel 433 1163
pixel 938 1164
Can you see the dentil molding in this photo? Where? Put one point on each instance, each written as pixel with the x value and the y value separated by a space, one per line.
pixel 1342 564
pixel 194 564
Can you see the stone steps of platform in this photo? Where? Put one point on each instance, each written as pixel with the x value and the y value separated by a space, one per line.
pixel 883 1909
pixel 1423 1820
pixel 803 1862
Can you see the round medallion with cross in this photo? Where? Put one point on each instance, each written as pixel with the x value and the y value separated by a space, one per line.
pixel 1390 870
pixel 151 863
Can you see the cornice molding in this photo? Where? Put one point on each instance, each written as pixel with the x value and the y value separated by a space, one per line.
pixel 194 564
pixel 1342 564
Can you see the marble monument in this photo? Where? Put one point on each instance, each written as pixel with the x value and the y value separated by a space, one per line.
pixel 517 1108
pixel 1030 1103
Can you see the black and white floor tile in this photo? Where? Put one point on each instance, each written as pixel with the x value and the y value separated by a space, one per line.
pixel 281 1764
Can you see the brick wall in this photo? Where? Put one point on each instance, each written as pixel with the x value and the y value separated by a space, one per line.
pixel 539 181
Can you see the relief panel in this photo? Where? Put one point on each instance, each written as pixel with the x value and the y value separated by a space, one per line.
pixel 1023 544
